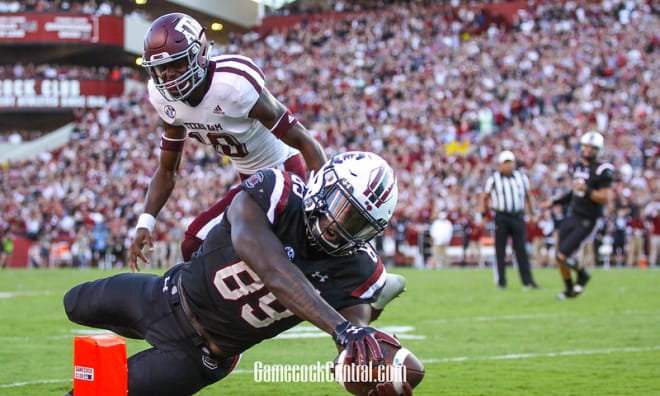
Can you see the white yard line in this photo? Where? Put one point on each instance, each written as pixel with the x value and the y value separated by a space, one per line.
pixel 534 316
pixel 27 293
pixel 309 331
pixel 35 382
pixel 547 354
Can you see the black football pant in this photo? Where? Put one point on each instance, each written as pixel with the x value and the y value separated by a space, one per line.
pixel 510 225
pixel 146 307
pixel 573 232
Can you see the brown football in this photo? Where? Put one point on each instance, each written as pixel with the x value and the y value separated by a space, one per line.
pixel 398 366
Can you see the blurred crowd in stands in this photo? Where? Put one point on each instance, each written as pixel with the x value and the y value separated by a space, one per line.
pixel 66 72
pixel 91 7
pixel 438 92
pixel 316 7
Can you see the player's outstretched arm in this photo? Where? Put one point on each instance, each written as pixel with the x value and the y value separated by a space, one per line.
pixel 261 250
pixel 159 191
pixel 257 245
pixel 359 314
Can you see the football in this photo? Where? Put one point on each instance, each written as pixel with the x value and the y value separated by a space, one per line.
pixel 399 365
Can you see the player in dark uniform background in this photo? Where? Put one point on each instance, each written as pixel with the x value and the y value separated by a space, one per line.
pixel 283 253
pixel 592 181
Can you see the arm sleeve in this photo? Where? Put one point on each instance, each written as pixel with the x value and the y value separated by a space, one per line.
pixel 563 199
pixel 271 189
pixel 605 174
pixel 359 279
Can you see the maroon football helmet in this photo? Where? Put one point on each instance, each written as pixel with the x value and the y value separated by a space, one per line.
pixel 176 37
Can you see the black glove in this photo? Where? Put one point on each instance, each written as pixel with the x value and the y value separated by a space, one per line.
pixel 387 389
pixel 361 342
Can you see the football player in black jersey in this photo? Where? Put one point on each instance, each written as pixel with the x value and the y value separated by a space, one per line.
pixel 284 252
pixel 592 181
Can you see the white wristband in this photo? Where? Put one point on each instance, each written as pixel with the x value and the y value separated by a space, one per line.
pixel 146 221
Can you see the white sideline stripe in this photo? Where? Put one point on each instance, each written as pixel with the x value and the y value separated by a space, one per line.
pixel 548 354
pixel 35 382
pixel 91 331
pixel 308 331
pixel 24 294
pixel 535 316
pixel 428 361
pixel 323 335
pixel 56 337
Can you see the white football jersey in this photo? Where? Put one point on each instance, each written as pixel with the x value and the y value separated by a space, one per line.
pixel 221 118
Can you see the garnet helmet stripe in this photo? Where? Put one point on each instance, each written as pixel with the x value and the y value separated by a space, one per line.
pixel 379 189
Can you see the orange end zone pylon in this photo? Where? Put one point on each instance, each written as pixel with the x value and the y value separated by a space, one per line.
pixel 99 366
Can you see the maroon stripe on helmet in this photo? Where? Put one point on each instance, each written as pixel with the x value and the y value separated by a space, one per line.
pixel 377 179
pixel 376 187
pixel 227 69
pixel 244 62
pixel 386 194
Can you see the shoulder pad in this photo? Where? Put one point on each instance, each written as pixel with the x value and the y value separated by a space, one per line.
pixel 259 178
pixel 605 170
pixel 271 189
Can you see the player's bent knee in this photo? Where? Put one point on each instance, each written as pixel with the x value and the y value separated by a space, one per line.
pixel 77 305
pixel 70 302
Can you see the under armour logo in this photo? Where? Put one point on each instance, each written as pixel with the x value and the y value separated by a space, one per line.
pixel 353 330
pixel 321 277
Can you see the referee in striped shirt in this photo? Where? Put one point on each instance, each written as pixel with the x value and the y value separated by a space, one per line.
pixel 507 192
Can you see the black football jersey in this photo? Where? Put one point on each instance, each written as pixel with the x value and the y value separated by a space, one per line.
pixel 597 175
pixel 230 300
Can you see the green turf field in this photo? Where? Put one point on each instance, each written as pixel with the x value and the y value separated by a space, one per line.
pixel 473 338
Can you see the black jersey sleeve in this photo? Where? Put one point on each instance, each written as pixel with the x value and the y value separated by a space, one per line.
pixel 604 176
pixel 357 279
pixel 270 188
pixel 563 199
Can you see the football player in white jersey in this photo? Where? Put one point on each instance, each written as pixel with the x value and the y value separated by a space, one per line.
pixel 220 101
